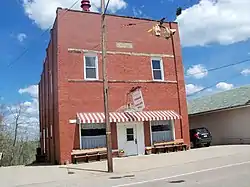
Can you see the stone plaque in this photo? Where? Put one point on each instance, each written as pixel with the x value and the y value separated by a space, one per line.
pixel 124 45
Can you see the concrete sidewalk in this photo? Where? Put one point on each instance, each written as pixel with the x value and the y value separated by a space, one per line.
pixel 147 162
pixel 21 175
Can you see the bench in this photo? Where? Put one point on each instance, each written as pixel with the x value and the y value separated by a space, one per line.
pixel 179 145
pixel 165 146
pixel 88 156
pixel 176 145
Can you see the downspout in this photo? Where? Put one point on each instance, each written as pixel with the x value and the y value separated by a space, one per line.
pixel 177 79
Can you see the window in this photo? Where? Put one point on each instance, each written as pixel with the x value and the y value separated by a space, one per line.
pixel 93 132
pixel 130 134
pixel 91 67
pixel 162 131
pixel 157 69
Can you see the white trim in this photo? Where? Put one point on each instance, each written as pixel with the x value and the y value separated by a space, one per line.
pixel 80 135
pixel 151 137
pixel 161 66
pixel 72 121
pixel 173 128
pixel 120 53
pixel 96 65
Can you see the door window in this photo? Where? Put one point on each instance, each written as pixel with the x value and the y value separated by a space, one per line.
pixel 130 134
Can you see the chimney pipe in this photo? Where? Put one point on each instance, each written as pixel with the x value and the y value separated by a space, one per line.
pixel 85 5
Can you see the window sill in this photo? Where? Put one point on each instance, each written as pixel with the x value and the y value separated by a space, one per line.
pixel 125 81
pixel 84 80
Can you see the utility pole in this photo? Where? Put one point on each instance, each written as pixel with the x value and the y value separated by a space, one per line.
pixel 105 89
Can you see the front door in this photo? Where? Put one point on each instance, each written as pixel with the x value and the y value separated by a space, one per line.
pixel 130 138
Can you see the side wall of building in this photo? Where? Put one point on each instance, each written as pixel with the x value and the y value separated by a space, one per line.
pixel 48 102
pixel 227 127
pixel 126 68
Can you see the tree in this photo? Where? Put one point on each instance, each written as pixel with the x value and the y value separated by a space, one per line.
pixel 18 136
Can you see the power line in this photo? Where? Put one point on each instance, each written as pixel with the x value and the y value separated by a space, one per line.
pixel 106 8
pixel 220 67
pixel 45 31
pixel 203 89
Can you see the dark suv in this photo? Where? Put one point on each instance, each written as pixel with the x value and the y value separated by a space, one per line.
pixel 200 136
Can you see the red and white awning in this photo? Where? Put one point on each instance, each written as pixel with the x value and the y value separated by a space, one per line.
pixel 127 116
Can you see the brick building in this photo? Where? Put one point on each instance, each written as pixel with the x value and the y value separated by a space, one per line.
pixel 70 89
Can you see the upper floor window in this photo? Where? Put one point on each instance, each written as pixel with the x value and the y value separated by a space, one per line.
pixel 91 67
pixel 157 69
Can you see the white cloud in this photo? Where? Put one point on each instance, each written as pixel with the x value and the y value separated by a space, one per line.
pixel 224 86
pixel 31 90
pixel 43 12
pixel 245 72
pixel 197 71
pixel 28 112
pixel 21 37
pixel 215 21
pixel 137 12
pixel 191 88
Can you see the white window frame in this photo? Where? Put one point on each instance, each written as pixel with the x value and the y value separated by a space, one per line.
pixel 51 131
pixel 96 65
pixel 171 123
pixel 44 141
pixel 161 66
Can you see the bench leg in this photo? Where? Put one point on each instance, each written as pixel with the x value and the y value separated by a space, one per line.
pixel 98 158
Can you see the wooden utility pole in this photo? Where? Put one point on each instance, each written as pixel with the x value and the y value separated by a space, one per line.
pixel 105 89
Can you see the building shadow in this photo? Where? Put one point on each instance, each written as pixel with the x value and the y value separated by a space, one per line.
pixel 84 169
pixel 40 164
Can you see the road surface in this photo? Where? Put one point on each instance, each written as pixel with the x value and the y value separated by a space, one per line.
pixel 209 167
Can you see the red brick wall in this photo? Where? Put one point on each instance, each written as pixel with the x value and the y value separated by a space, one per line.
pixel 50 103
pixel 82 31
pixel 40 111
pixel 184 124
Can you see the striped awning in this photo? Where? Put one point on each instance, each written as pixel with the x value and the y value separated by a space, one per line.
pixel 127 116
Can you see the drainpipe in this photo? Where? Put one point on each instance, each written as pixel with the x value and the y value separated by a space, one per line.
pixel 178 88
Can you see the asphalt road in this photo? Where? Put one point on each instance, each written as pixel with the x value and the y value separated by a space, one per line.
pixel 220 169
pixel 228 176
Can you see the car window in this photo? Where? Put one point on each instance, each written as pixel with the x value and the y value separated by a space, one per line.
pixel 202 130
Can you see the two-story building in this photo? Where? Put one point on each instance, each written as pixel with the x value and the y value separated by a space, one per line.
pixel 71 86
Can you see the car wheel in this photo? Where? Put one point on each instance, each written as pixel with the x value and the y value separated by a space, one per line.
pixel 191 145
pixel 208 144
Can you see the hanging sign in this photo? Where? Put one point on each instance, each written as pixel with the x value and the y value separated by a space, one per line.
pixel 138 99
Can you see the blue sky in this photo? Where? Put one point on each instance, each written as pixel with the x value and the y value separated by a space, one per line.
pixel 213 33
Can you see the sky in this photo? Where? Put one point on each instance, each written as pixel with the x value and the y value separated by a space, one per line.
pixel 213 33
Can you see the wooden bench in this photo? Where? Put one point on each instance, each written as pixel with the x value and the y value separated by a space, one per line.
pixel 89 154
pixel 179 145
pixel 165 146
pixel 176 145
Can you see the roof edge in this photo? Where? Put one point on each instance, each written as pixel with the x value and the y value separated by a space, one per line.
pixel 219 110
pixel 115 15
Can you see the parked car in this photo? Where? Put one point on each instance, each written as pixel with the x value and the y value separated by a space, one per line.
pixel 200 136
